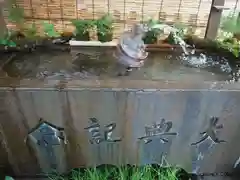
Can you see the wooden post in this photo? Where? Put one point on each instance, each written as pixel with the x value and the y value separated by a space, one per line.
pixel 214 19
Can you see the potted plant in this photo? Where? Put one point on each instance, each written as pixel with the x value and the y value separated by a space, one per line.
pixel 151 36
pixel 105 28
pixel 49 30
pixel 82 29
pixel 181 32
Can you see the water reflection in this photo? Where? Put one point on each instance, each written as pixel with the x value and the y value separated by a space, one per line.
pixel 158 66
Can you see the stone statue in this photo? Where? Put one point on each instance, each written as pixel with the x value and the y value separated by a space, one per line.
pixel 131 49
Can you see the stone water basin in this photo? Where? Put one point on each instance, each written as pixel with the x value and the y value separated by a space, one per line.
pixel 67 89
pixel 158 66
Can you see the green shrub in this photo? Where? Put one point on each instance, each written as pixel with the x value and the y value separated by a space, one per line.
pixel 16 13
pixel 49 30
pixel 230 26
pixel 31 31
pixel 151 36
pixel 82 28
pixel 104 28
pixel 181 32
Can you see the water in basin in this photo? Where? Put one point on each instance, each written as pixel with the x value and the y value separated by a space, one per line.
pixel 158 66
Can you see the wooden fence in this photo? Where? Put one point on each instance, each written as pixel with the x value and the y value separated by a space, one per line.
pixel 125 12
pixel 187 109
pixel 202 16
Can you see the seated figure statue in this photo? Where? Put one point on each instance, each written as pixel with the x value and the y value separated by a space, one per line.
pixel 131 49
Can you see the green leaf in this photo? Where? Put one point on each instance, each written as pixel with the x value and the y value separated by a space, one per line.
pixel 232 45
pixel 230 23
pixel 50 30
pixel 12 44
pixel 3 42
pixel 82 26
pixel 31 31
pixel 235 52
pixel 151 36
pixel 8 178
pixel 16 14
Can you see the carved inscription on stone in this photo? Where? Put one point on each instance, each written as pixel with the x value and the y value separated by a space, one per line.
pixel 159 130
pixel 46 136
pixel 210 132
pixel 99 135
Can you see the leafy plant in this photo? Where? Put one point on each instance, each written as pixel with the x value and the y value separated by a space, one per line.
pixel 96 174
pixel 181 32
pixel 31 31
pixel 104 28
pixel 230 23
pixel 6 41
pixel 228 28
pixel 8 178
pixel 151 36
pixel 49 30
pixel 123 173
pixel 16 13
pixel 82 28
pixel 232 45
